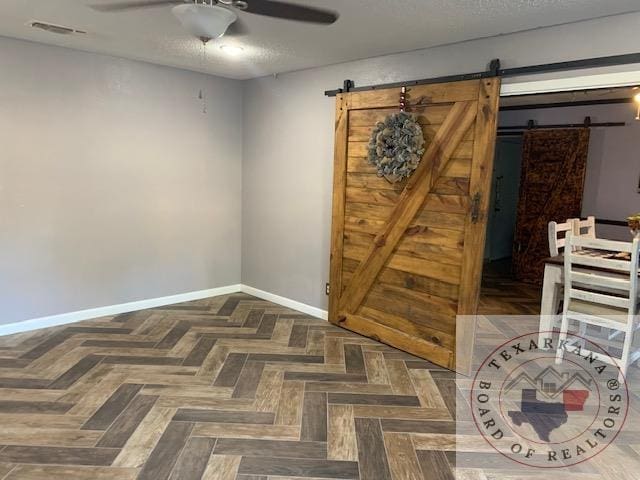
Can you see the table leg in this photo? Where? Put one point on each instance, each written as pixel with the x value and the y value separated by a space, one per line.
pixel 550 300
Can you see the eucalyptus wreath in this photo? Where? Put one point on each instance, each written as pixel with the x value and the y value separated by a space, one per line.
pixel 396 146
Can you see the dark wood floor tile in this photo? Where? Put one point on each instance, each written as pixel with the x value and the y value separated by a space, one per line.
pixel 228 307
pixel 134 360
pixel 26 383
pixel 298 336
pixel 136 317
pixel 247 384
pixel 173 336
pixel 447 389
pixel 296 316
pixel 14 362
pixel 270 448
pixel 43 347
pixel 253 318
pixel 434 465
pixel 231 370
pixel 124 426
pixel 283 357
pixel 205 321
pixel 193 460
pixel 370 399
pixel 199 352
pixel 58 455
pixel 124 317
pixel 371 452
pixel 314 417
pixel 296 467
pixel 117 344
pixel 223 416
pixel 72 375
pixel 354 360
pixel 52 408
pixel 99 330
pixel 232 336
pixel 326 377
pixel 252 477
pixel 268 323
pixel 166 452
pixel 418 426
pixel 113 407
pixel 185 308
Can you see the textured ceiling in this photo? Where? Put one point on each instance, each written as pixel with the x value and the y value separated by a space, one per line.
pixel 366 28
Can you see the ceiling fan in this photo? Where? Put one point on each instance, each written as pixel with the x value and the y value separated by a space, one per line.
pixel 208 19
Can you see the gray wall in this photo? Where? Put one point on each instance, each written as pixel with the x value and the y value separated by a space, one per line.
pixel 288 142
pixel 144 199
pixel 114 186
pixel 613 163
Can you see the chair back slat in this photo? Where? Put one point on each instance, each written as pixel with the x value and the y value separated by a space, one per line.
pixel 612 282
pixel 612 246
pixel 585 228
pixel 601 263
pixel 593 297
pixel 557 232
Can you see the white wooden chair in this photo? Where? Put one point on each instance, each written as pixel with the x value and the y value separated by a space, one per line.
pixel 557 235
pixel 585 228
pixel 601 291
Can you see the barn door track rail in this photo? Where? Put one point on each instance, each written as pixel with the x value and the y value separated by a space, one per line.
pixel 531 124
pixel 495 71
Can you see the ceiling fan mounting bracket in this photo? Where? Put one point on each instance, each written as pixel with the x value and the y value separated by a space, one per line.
pixel 240 4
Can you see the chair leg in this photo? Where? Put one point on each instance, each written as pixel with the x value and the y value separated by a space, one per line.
pixel 626 350
pixel 582 331
pixel 564 327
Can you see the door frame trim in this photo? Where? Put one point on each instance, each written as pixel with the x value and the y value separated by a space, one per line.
pixel 579 82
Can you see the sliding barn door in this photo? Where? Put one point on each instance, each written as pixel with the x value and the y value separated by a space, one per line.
pixel 406 258
pixel 554 165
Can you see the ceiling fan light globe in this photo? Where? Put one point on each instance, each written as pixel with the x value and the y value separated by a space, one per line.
pixel 204 21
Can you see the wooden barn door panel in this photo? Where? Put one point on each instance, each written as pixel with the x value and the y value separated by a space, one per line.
pixel 554 164
pixel 406 258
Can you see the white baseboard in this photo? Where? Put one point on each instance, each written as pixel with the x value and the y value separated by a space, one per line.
pixel 286 302
pixel 72 317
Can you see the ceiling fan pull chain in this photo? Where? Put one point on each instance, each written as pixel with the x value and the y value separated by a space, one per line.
pixel 203 97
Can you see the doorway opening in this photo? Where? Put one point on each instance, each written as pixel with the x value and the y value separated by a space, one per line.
pixel 558 155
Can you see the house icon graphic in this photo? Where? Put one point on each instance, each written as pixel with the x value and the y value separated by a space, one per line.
pixel 549 383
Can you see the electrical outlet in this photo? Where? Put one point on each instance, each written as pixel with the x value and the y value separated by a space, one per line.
pixel 327 289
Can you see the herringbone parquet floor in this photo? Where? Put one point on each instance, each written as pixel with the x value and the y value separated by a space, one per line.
pixel 231 387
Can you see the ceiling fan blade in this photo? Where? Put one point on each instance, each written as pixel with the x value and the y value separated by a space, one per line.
pixel 237 29
pixel 133 5
pixel 290 11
